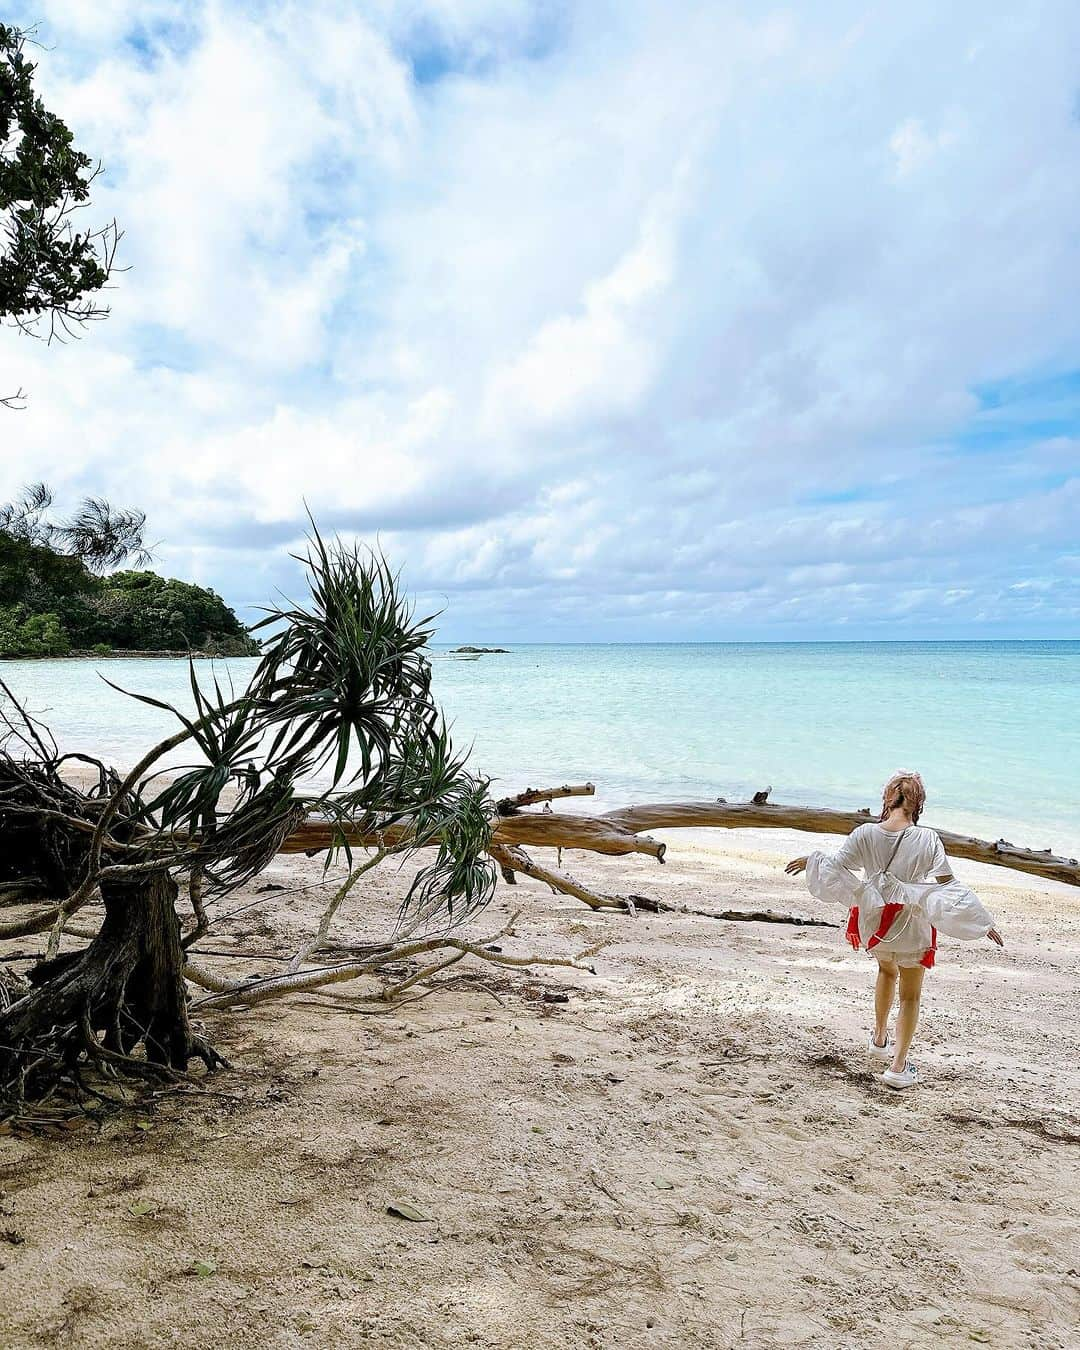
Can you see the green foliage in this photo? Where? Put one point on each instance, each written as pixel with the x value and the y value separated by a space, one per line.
pixel 25 634
pixel 51 604
pixel 99 535
pixel 343 691
pixel 47 571
pixel 38 576
pixel 48 269
pixel 141 611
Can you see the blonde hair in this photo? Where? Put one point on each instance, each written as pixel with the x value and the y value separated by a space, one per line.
pixel 905 788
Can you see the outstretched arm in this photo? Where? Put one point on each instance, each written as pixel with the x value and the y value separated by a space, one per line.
pixel 846 856
pixel 829 876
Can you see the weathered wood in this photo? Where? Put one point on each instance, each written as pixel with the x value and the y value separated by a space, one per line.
pixel 512 859
pixel 825 820
pixel 557 829
pixel 622 832
pixel 315 835
pixel 507 806
pixel 545 829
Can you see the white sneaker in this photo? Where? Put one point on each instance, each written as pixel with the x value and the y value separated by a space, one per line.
pixel 880 1052
pixel 906 1078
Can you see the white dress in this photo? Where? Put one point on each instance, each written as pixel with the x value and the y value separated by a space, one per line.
pixel 897 909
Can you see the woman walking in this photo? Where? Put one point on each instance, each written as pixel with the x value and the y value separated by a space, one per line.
pixel 907 896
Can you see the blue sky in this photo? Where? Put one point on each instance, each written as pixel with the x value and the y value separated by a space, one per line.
pixel 609 321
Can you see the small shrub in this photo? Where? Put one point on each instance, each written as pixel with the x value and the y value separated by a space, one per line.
pixel 26 634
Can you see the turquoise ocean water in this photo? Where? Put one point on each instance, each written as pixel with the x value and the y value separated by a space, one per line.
pixel 994 727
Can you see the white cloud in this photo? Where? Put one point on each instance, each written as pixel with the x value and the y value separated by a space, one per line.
pixel 598 360
pixel 913 146
pixel 614 319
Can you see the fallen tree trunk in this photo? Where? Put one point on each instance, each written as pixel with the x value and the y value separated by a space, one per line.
pixel 622 832
pixel 543 829
pixel 824 820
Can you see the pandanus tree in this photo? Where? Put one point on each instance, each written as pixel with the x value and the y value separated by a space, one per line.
pixel 341 697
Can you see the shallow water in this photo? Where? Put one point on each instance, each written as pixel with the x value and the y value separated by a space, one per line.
pixel 992 726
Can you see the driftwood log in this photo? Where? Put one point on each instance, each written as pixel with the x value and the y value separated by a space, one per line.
pixel 623 831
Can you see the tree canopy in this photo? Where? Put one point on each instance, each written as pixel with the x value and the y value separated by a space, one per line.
pixel 50 272
pixel 98 534
pixel 53 600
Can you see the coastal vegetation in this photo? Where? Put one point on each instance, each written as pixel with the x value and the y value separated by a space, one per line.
pixel 50 272
pixel 343 687
pixel 54 599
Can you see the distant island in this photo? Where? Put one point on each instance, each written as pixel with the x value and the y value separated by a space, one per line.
pixel 479 651
pixel 53 604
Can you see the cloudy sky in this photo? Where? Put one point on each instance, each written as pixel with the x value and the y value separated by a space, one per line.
pixel 609 319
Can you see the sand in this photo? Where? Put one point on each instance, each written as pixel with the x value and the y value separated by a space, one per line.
pixel 691 1151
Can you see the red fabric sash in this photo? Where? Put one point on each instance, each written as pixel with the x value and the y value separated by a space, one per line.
pixel 888 917
pixel 888 914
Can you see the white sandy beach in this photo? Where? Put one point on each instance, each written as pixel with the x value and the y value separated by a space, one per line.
pixel 675 402
pixel 690 1152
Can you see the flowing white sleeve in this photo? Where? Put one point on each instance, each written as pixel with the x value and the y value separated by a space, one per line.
pixel 958 912
pixel 828 879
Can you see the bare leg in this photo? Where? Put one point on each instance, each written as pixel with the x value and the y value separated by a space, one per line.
pixel 884 993
pixel 911 978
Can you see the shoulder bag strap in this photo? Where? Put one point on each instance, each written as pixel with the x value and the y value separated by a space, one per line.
pixel 896 849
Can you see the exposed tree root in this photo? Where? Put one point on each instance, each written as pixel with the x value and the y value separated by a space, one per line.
pixel 119 1004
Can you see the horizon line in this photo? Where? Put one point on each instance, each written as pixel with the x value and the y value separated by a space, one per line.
pixel 757 642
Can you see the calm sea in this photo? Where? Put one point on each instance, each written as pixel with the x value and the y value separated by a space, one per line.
pixel 994 727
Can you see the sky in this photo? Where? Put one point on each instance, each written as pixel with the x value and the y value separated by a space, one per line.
pixel 607 321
